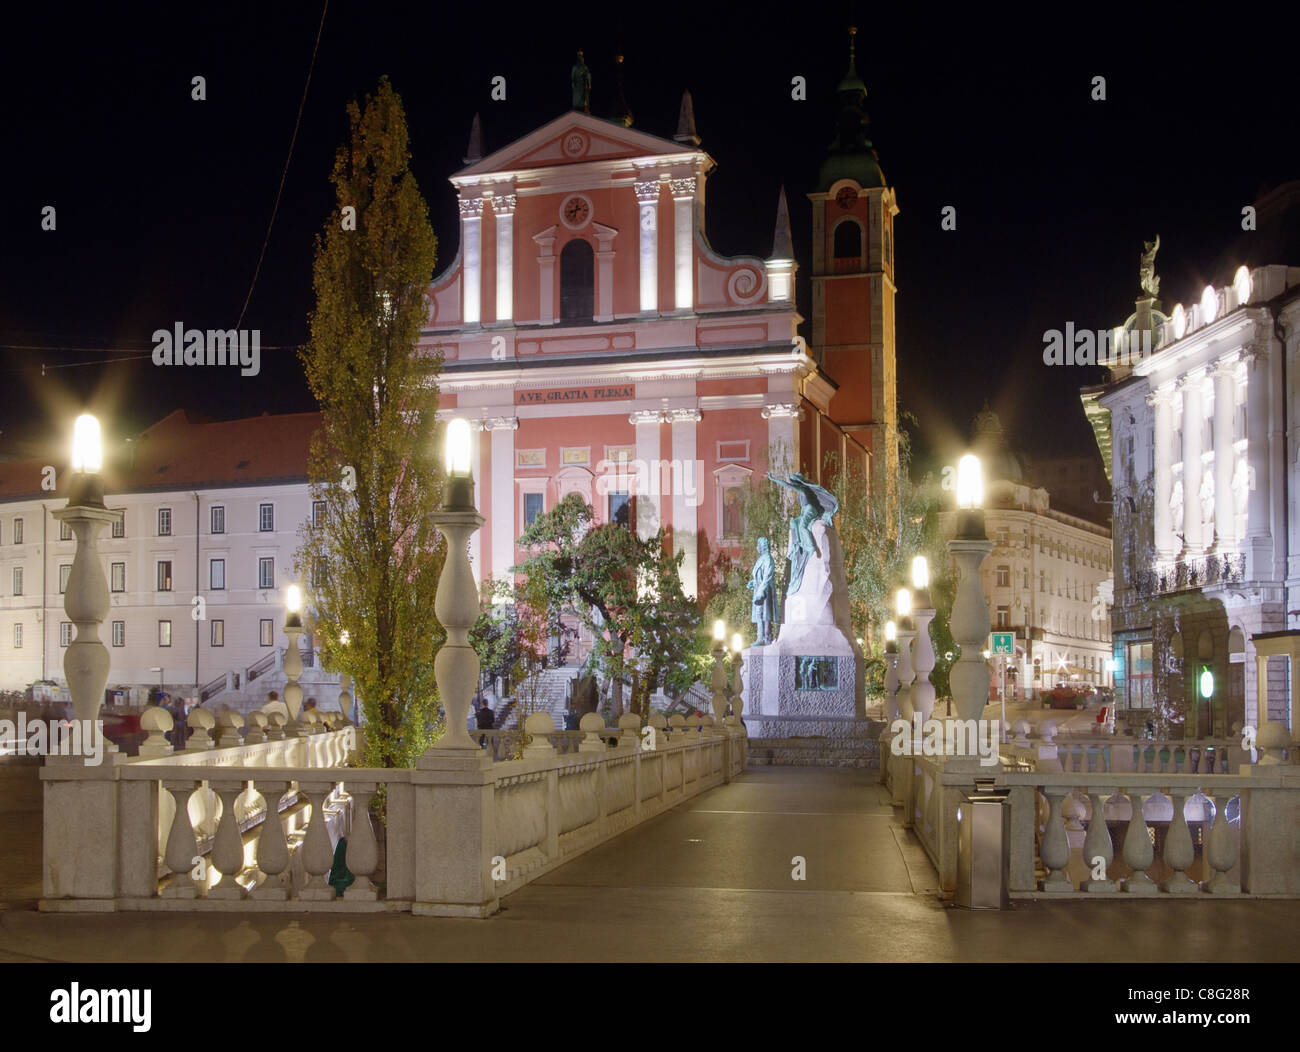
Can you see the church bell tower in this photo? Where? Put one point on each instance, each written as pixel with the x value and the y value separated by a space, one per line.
pixel 853 210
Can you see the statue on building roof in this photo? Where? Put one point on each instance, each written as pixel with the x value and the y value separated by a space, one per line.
pixel 580 79
pixel 1147 269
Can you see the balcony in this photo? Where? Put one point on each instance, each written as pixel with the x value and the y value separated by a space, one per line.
pixel 1190 574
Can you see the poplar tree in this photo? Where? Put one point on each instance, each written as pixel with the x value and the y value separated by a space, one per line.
pixel 371 555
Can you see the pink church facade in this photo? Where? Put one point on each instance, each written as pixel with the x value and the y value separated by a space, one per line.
pixel 601 346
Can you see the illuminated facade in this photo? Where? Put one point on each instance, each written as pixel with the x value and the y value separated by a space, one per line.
pixel 1202 461
pixel 603 348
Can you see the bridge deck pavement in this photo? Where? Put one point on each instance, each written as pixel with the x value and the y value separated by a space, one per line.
pixel 710 880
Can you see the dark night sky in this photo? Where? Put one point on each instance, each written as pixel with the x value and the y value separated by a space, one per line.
pixel 163 202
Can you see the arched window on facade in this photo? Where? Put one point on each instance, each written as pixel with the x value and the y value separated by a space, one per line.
pixel 577 281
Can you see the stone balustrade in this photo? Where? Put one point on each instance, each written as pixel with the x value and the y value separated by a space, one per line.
pixel 1089 833
pixel 256 826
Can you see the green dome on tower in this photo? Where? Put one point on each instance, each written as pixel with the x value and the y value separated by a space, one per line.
pixel 851 154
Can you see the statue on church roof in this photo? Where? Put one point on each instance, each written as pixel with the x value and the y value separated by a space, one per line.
pixel 1147 269
pixel 580 78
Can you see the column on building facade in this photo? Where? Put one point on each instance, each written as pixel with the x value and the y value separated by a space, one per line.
pixel 1258 399
pixel 687 485
pixel 503 430
pixel 781 418
pixel 1162 402
pixel 503 209
pixel 545 241
pixel 647 198
pixel 1225 458
pixel 471 221
pixel 647 422
pixel 683 238
pixel 1193 421
pixel 604 271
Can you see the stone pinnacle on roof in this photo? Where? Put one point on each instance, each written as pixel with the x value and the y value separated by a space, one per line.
pixel 474 152
pixel 686 122
pixel 782 244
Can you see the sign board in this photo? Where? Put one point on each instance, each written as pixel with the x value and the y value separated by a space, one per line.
pixel 1004 643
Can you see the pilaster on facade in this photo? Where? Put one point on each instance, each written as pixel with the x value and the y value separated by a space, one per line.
pixel 1225 457
pixel 545 241
pixel 1193 422
pixel 684 194
pixel 605 270
pixel 1162 401
pixel 647 198
pixel 471 218
pixel 503 210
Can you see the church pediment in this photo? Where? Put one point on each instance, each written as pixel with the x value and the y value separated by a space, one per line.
pixel 574 138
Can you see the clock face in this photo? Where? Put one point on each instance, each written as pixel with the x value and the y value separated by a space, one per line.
pixel 575 211
pixel 846 197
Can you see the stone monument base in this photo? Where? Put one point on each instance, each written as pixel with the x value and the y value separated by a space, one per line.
pixel 813 741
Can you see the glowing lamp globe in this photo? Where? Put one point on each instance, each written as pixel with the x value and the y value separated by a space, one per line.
pixel 891 632
pixel 1209 304
pixel 1180 321
pixel 920 573
pixel 1241 285
pixel 720 631
pixel 459 492
pixel 903 603
pixel 1207 682
pixel 970 482
pixel 87 448
pixel 737 644
pixel 293 606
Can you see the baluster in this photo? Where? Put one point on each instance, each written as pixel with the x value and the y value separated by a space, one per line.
pixel 1105 758
pixel 1180 757
pixel 1072 811
pixel 1179 852
pixel 592 726
pixel 1148 758
pixel 317 855
pixel 1055 847
pixel 1164 759
pixel 1137 758
pixel 1221 848
pixel 182 844
pixel 1195 754
pixel 228 845
pixel 272 847
pixel 362 853
pixel 1139 852
pixel 228 723
pixel 1097 842
pixel 629 730
pixel 659 722
pixel 1091 754
pixel 256 733
pixel 539 727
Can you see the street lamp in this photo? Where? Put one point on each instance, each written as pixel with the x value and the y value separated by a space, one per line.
pixel 292 657
pixel 738 691
pixel 85 600
pixel 923 653
pixel 970 613
pixel 719 682
pixel 456 667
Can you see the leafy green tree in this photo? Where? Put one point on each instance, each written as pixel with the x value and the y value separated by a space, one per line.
pixel 624 589
pixel 370 559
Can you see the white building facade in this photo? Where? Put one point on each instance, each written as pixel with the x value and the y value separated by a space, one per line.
pixel 196 572
pixel 1204 466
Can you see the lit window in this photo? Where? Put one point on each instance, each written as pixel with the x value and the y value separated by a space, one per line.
pixel 165 575
pixel 218 633
pixel 18 531
pixel 164 633
pixel 1004 576
pixel 266 632
pixel 533 503
pixel 1004 617
pixel 65 572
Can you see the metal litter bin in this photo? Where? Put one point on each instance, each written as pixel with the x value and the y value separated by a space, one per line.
pixel 983 834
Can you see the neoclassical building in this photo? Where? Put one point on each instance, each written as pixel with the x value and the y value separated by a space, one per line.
pixel 603 348
pixel 1047 579
pixel 1203 460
